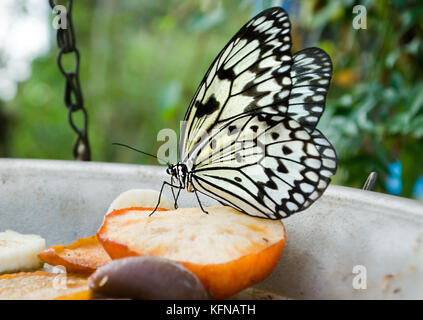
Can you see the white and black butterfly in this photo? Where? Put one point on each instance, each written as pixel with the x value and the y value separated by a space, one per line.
pixel 249 139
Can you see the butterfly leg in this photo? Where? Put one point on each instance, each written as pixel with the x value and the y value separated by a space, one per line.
pixel 160 194
pixel 199 202
pixel 175 198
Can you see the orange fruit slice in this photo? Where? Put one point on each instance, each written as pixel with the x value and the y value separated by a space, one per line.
pixel 80 295
pixel 227 250
pixel 83 256
pixel 40 285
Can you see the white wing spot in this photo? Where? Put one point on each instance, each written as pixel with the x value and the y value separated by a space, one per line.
pixel 264 26
pixel 258 21
pixel 284 68
pixel 321 141
pixel 312 176
pixel 312 119
pixel 283 94
pixel 294 124
pixel 286 81
pixel 321 184
pixel 306 187
pixel 326 173
pixel 291 206
pixel 311 150
pixel 318 98
pixel 272 30
pixel 299 197
pixel 329 153
pixel 313 163
pixel 302 135
pixel 285 47
pixel 330 163
pixel 314 196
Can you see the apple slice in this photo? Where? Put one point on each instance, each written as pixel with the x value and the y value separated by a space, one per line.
pixel 145 198
pixel 227 250
pixel 85 255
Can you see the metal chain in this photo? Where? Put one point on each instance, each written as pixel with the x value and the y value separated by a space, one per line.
pixel 73 94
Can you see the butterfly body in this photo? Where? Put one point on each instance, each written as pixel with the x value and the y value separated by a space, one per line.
pixel 249 139
pixel 182 174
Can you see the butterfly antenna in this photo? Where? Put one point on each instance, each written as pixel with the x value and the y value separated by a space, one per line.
pixel 146 153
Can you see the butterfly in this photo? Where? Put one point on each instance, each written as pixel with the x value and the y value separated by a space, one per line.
pixel 249 137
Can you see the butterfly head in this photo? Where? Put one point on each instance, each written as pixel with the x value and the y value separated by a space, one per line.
pixel 179 171
pixel 171 170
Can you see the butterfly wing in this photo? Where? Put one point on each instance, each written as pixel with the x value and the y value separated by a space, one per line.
pixel 249 134
pixel 264 165
pixel 252 72
pixel 311 73
pixel 329 165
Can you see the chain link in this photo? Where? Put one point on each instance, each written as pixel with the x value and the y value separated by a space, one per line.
pixel 73 94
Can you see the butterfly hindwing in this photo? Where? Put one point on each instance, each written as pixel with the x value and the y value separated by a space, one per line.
pixel 263 165
pixel 252 72
pixel 329 165
pixel 311 73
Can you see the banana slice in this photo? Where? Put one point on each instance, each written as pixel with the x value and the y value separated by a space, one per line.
pixel 18 252
pixel 146 198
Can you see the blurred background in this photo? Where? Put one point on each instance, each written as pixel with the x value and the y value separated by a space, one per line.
pixel 141 62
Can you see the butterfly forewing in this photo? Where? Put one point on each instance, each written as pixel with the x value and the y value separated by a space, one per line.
pixel 252 72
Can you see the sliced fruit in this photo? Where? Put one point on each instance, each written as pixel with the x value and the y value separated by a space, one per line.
pixel 83 256
pixel 80 295
pixel 227 250
pixel 145 198
pixel 39 285
pixel 18 252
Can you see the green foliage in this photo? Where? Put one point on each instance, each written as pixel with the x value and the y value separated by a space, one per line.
pixel 143 60
pixel 375 107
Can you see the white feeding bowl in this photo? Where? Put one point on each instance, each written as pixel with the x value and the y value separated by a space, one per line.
pixel 379 237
